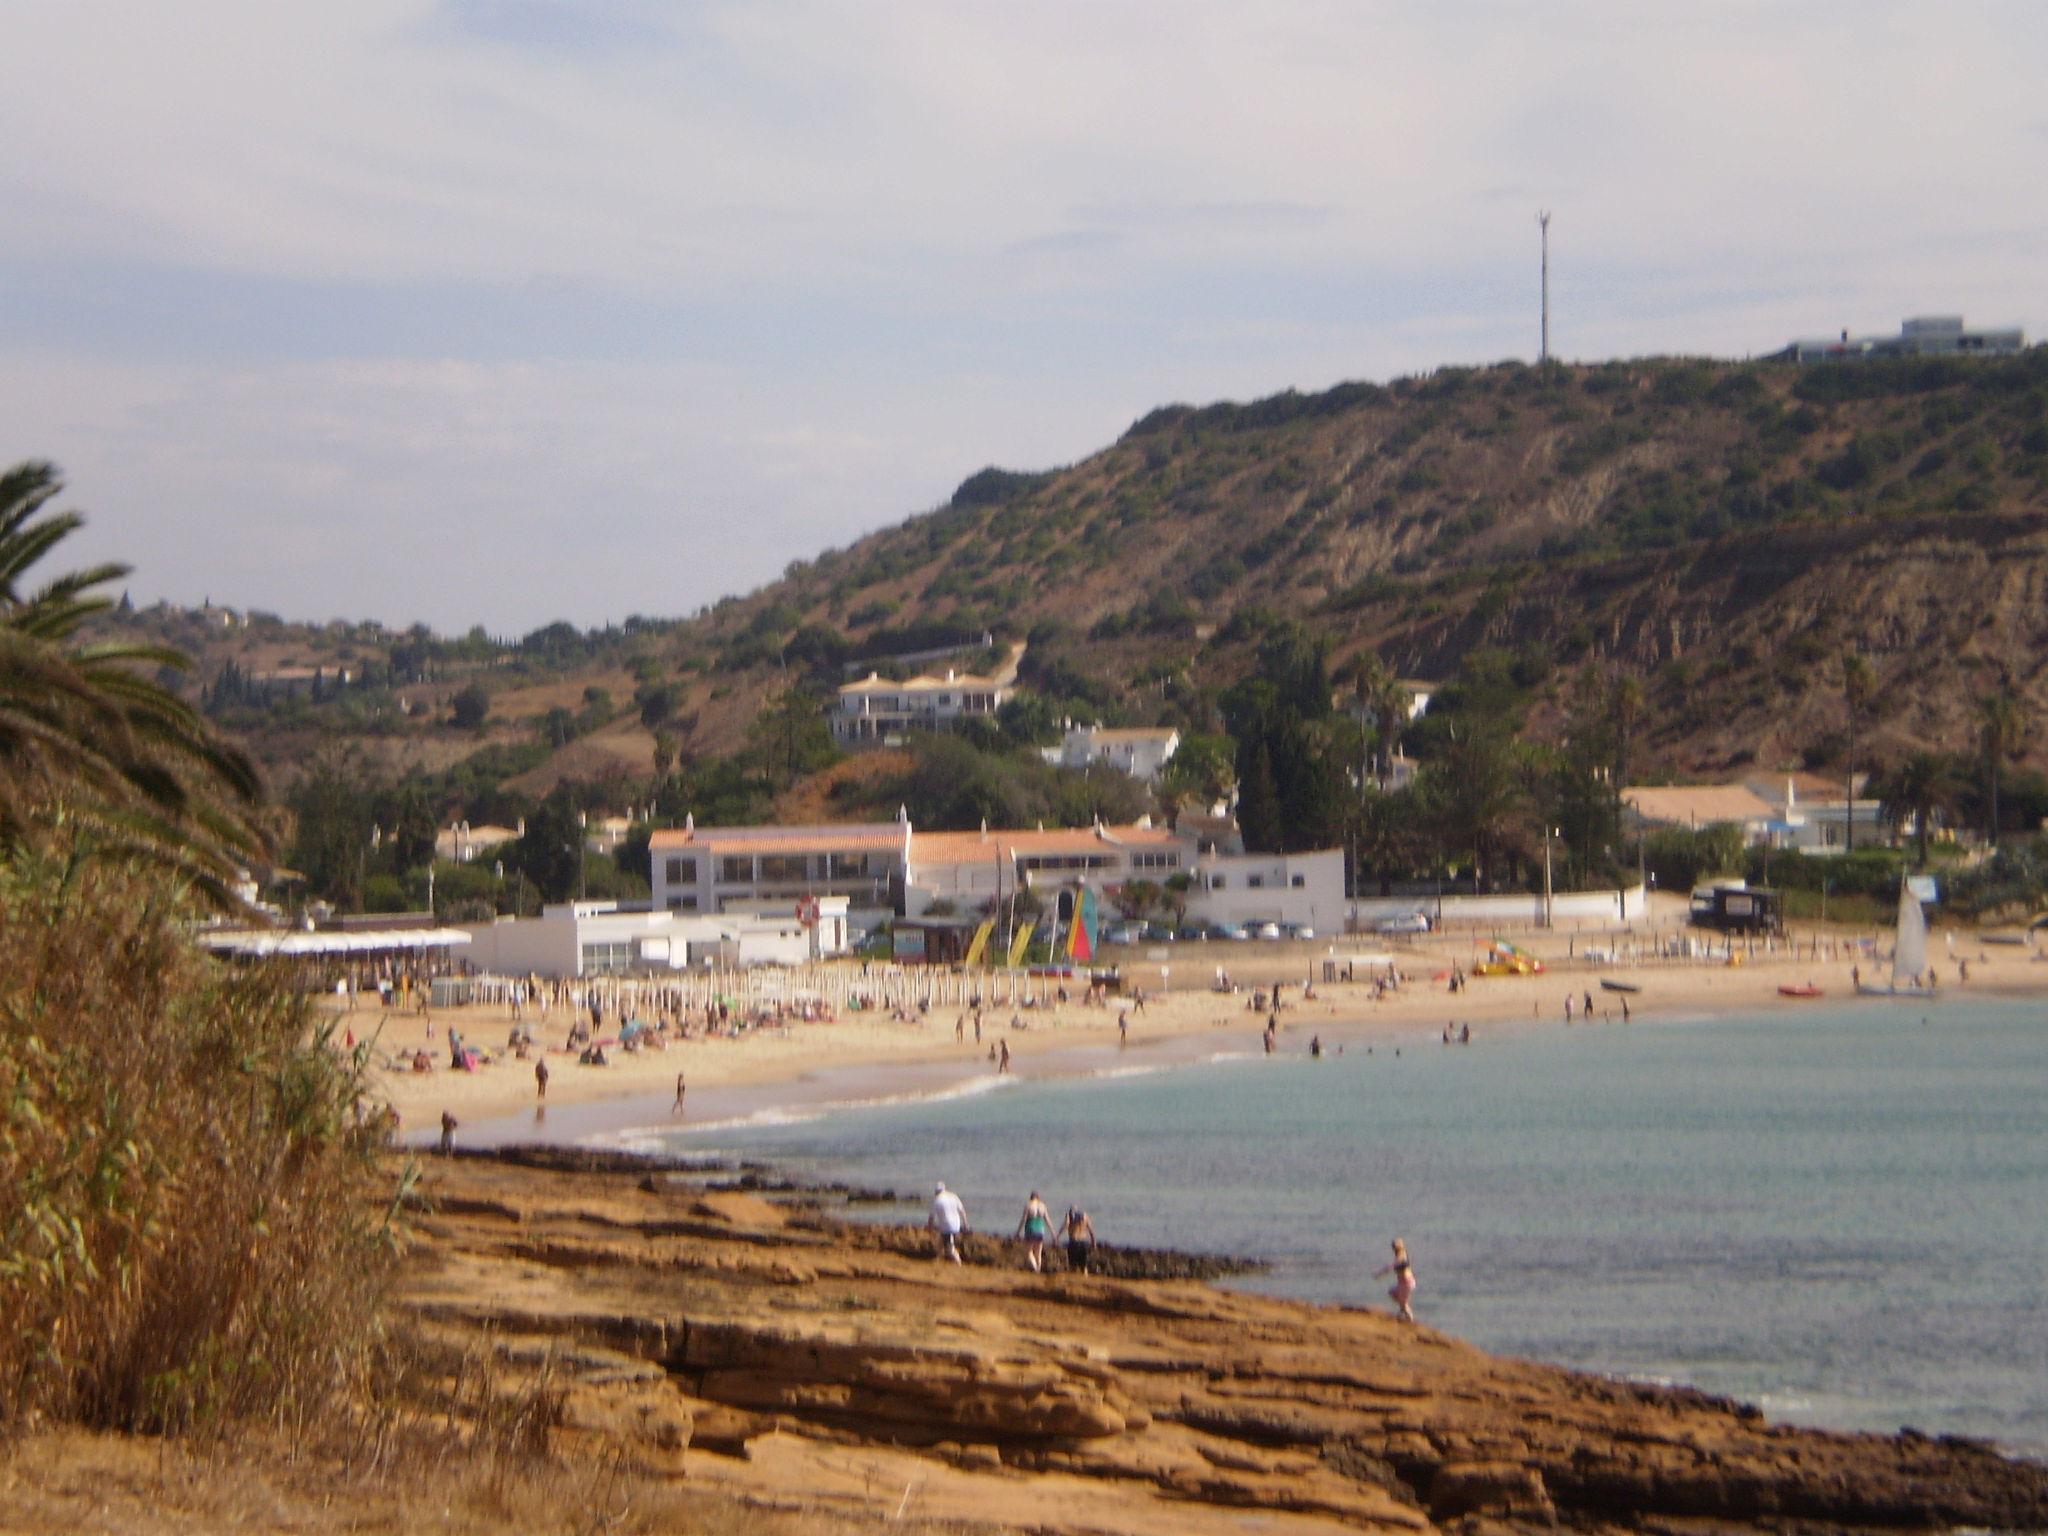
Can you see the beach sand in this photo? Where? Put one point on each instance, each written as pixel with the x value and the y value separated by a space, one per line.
pixel 1051 1038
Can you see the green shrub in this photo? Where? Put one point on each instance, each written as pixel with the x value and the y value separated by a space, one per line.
pixel 187 1234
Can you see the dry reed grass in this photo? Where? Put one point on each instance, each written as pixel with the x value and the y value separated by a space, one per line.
pixel 186 1233
pixel 65 1481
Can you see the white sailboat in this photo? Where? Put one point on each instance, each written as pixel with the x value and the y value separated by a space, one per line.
pixel 1909 951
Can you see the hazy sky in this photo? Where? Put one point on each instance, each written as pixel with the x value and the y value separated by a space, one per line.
pixel 502 311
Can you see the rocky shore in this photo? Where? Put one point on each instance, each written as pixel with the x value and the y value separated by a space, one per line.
pixel 774 1350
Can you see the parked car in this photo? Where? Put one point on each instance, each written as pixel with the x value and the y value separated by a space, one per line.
pixel 1268 930
pixel 1159 933
pixel 1297 930
pixel 1124 933
pixel 1232 931
pixel 1404 922
pixel 1190 932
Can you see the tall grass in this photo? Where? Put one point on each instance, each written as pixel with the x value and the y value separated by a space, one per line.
pixel 186 1233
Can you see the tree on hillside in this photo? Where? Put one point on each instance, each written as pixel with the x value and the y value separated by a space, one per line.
pixel 1382 701
pixel 1859 689
pixel 1913 792
pixel 470 707
pixel 1203 767
pixel 1481 803
pixel 89 740
pixel 551 853
pixel 791 736
pixel 2001 729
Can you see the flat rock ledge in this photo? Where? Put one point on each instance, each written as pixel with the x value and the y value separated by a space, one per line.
pixel 800 1363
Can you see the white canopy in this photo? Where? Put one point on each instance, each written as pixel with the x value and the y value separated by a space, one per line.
pixel 366 941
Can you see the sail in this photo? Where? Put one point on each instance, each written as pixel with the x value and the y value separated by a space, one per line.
pixel 1019 944
pixel 980 944
pixel 1081 941
pixel 1909 955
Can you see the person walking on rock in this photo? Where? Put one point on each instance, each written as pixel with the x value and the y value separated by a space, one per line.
pixel 1403 1290
pixel 1035 1226
pixel 948 1219
pixel 1079 1233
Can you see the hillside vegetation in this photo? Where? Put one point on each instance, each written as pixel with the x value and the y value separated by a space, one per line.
pixel 1745 544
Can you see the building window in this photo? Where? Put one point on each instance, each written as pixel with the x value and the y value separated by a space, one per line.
pixel 606 959
pixel 1256 882
pixel 736 870
pixel 1298 881
pixel 682 871
pixel 848 866
pixel 784 869
pixel 1216 882
pixel 1155 861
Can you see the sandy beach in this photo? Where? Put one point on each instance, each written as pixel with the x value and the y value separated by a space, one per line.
pixel 1182 1003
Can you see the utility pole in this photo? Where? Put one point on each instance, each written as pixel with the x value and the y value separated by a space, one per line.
pixel 1543 351
pixel 1549 910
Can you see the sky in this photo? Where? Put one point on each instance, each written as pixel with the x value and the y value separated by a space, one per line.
pixel 501 312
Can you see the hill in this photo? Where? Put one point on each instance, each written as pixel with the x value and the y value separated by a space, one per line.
pixel 1725 532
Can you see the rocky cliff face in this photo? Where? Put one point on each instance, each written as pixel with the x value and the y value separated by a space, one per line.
pixel 792 1360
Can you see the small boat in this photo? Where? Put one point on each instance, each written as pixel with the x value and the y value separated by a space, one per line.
pixel 1909 951
pixel 1618 986
pixel 2001 938
pixel 1808 989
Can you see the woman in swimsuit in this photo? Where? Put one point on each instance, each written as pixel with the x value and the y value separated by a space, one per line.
pixel 1404 1280
pixel 1035 1228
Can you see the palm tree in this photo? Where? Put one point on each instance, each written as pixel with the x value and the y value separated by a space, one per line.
pixel 90 746
pixel 1919 787
pixel 1481 801
pixel 2000 727
pixel 1859 691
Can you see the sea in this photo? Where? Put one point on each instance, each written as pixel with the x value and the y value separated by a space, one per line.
pixel 1837 1211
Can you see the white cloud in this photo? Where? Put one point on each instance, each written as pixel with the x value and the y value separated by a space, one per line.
pixel 543 267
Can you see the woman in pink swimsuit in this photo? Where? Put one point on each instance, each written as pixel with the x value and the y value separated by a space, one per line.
pixel 1404 1280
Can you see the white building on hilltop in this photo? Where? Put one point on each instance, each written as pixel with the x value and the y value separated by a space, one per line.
pixel 1142 752
pixel 877 709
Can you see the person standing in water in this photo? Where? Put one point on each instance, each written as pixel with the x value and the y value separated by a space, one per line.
pixel 1403 1289
pixel 1035 1226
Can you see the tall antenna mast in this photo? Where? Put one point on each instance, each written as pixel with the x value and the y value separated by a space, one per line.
pixel 1543 352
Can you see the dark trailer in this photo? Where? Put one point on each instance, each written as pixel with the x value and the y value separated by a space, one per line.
pixel 1738 908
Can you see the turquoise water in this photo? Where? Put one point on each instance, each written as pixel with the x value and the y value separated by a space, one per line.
pixel 1838 1213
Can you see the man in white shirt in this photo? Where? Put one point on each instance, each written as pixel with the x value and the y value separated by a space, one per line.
pixel 949 1220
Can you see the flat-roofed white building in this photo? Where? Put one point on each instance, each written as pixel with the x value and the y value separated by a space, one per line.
pixel 1297 888
pixel 605 938
pixel 718 869
pixel 969 870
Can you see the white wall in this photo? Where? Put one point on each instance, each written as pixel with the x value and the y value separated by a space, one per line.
pixel 1291 888
pixel 553 944
pixel 1576 906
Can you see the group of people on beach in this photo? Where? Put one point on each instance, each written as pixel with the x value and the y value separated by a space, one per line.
pixel 948 1222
